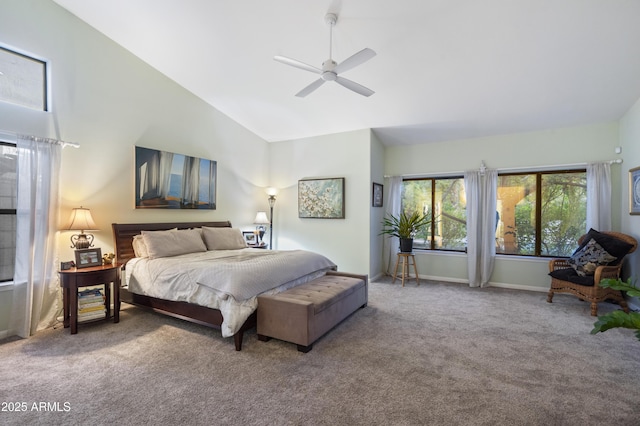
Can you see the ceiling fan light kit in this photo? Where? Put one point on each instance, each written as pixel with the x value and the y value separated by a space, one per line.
pixel 331 69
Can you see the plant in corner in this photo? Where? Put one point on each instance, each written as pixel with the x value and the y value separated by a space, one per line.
pixel 404 227
pixel 619 318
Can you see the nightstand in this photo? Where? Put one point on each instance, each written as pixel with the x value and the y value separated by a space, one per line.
pixel 73 279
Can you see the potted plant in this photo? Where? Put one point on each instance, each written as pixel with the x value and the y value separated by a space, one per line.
pixel 616 319
pixel 405 226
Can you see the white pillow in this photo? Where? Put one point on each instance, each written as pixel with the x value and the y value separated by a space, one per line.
pixel 139 247
pixel 223 238
pixel 173 242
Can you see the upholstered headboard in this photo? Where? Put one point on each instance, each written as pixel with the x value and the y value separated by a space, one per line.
pixel 123 234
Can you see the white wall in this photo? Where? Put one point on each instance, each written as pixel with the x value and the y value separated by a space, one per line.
pixel 344 241
pixel 537 149
pixel 377 213
pixel 108 101
pixel 630 224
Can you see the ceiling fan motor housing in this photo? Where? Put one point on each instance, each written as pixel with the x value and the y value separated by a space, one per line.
pixel 331 19
pixel 327 70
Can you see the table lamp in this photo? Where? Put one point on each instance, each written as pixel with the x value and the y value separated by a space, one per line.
pixel 261 221
pixel 81 220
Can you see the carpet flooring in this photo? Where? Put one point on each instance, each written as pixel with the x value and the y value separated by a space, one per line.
pixel 437 354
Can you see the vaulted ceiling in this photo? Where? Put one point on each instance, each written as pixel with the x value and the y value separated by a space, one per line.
pixel 444 69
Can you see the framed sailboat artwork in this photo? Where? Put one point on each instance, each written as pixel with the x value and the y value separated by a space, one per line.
pixel 165 180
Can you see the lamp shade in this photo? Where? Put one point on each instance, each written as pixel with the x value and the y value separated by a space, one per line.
pixel 80 220
pixel 272 192
pixel 261 219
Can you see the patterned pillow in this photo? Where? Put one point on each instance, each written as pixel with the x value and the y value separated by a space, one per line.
pixel 590 256
pixel 612 245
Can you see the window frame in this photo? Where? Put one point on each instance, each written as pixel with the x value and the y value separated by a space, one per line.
pixel 538 207
pixel 432 224
pixel 13 212
pixel 45 107
pixel 537 250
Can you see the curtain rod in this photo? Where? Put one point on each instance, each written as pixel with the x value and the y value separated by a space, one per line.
pixel 14 137
pixel 509 169
pixel 562 166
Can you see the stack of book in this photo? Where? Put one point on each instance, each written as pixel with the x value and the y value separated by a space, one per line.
pixel 91 304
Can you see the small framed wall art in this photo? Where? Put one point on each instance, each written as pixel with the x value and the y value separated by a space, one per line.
pixel 634 191
pixel 377 195
pixel 321 198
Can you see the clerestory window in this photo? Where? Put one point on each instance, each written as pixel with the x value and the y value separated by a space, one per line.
pixel 23 80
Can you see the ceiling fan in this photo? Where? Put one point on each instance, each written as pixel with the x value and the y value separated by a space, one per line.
pixel 330 69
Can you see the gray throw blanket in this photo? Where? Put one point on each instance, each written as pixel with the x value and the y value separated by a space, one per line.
pixel 247 273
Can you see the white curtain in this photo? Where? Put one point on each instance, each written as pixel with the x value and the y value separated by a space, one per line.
pixel 36 286
pixel 481 190
pixel 393 203
pixel 599 196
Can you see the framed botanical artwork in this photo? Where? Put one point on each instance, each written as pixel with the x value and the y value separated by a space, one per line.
pixel 88 257
pixel 377 195
pixel 250 237
pixel 634 191
pixel 165 180
pixel 321 198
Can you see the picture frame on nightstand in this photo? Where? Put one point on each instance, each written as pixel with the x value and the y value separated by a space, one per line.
pixel 250 238
pixel 88 257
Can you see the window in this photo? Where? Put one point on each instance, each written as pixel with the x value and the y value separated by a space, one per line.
pixel 8 200
pixel 23 80
pixel 541 214
pixel 538 213
pixel 444 201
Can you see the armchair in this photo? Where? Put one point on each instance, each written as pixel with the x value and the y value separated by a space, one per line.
pixel 582 280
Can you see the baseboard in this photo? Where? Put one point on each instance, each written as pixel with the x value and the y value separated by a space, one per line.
pixel 379 275
pixel 445 279
pixel 491 284
pixel 520 287
pixel 634 304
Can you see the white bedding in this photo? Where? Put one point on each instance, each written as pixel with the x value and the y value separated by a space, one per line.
pixel 228 280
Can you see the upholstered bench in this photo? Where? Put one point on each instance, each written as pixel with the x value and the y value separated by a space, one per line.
pixel 303 314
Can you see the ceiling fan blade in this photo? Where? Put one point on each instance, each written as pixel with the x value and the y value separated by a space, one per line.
pixel 354 60
pixel 352 85
pixel 310 88
pixel 297 64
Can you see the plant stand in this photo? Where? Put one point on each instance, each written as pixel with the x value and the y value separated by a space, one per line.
pixel 407 260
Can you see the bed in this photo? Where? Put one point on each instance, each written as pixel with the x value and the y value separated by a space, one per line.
pixel 217 287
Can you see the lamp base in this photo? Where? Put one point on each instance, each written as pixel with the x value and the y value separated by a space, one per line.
pixel 80 241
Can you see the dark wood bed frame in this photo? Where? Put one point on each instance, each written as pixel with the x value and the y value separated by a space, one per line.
pixel 123 234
